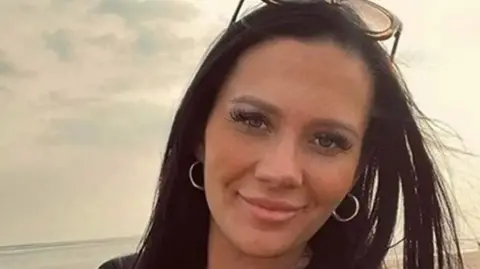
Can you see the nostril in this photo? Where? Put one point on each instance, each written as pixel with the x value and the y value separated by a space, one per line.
pixel 278 173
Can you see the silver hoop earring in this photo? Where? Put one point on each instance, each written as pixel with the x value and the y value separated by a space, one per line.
pixel 190 175
pixel 355 213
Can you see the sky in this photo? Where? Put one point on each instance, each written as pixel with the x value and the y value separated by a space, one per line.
pixel 88 90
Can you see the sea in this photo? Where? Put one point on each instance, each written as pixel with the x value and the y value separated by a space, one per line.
pixel 91 254
pixel 66 255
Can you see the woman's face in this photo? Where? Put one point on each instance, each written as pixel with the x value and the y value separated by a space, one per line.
pixel 283 143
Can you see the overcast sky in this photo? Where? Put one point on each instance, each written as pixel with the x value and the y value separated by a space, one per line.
pixel 88 90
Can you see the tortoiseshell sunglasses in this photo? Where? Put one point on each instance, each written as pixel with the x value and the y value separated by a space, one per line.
pixel 381 23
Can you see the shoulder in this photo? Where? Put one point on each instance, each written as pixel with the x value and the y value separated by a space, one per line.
pixel 121 262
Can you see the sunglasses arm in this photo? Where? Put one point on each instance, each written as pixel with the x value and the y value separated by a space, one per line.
pixel 397 36
pixel 237 10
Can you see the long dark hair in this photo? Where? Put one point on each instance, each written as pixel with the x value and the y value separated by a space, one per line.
pixel 396 172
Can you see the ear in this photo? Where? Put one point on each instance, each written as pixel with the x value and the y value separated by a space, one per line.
pixel 200 153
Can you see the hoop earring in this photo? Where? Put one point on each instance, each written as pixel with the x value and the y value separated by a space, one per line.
pixel 355 213
pixel 190 175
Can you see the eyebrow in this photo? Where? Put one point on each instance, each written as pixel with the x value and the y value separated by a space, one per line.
pixel 259 103
pixel 272 109
pixel 335 124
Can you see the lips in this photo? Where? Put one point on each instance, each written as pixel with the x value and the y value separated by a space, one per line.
pixel 270 210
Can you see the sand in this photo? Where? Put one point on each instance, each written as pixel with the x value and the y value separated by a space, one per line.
pixel 472 259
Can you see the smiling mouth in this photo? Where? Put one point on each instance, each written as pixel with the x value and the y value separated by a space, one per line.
pixel 270 210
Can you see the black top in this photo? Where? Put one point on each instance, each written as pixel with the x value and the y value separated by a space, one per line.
pixel 122 262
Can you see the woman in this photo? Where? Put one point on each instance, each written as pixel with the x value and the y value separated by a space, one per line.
pixel 295 147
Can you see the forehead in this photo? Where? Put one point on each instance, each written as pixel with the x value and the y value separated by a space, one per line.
pixel 316 78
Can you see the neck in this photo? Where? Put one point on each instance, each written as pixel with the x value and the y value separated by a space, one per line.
pixel 223 254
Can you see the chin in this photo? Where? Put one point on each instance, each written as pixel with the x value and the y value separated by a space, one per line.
pixel 262 250
pixel 265 246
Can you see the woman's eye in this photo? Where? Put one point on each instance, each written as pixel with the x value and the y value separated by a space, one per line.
pixel 252 119
pixel 332 143
pixel 256 123
pixel 325 141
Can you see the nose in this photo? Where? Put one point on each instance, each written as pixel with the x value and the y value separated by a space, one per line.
pixel 279 165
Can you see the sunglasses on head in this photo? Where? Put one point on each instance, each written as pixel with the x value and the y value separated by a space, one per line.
pixel 381 24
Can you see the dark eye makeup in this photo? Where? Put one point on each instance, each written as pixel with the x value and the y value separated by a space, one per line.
pixel 332 140
pixel 329 142
pixel 249 117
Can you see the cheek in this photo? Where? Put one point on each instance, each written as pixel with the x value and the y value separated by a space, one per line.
pixel 226 161
pixel 331 181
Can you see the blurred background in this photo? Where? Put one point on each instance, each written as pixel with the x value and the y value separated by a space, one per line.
pixel 87 94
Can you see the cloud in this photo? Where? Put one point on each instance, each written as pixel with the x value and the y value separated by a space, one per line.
pixel 146 43
pixel 121 125
pixel 103 80
pixel 153 25
pixel 58 41
pixel 9 69
pixel 106 40
pixel 4 93
pixel 143 11
pixel 158 42
pixel 59 3
pixel 161 40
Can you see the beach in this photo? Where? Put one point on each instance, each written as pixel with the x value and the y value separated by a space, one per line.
pixel 471 259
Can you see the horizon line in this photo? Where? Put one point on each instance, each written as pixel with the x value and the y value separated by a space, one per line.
pixel 53 244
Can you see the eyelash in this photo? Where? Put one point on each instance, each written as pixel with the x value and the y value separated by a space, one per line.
pixel 246 118
pixel 341 142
